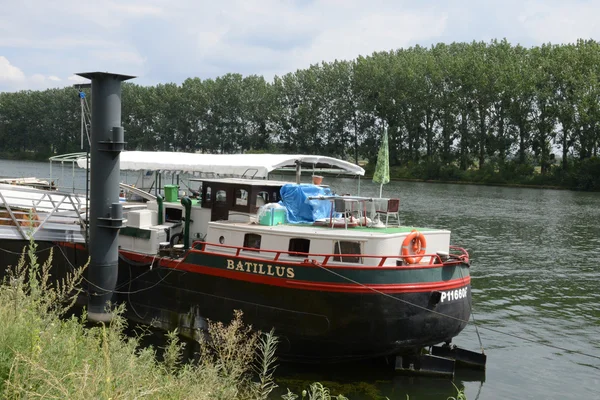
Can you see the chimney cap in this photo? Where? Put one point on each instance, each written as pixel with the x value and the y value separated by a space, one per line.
pixel 104 75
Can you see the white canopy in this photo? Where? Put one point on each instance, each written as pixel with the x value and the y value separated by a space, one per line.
pixel 249 165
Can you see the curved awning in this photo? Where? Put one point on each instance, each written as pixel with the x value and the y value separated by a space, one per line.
pixel 248 165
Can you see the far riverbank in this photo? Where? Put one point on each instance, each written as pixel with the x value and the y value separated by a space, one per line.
pixel 582 176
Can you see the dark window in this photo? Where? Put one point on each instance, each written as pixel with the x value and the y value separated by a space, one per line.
pixel 342 248
pixel 241 197
pixel 173 214
pixel 300 246
pixel 252 240
pixel 208 192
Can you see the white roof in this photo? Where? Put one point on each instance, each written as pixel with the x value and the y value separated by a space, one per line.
pixel 242 181
pixel 248 165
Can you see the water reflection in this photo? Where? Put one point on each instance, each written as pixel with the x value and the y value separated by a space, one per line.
pixel 373 379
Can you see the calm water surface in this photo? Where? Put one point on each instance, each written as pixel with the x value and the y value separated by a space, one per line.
pixel 535 258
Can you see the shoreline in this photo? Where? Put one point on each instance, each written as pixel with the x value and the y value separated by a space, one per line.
pixel 395 179
pixel 512 185
pixel 15 157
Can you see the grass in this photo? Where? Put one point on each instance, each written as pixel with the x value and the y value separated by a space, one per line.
pixel 46 354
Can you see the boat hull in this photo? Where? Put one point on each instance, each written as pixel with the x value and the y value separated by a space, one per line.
pixel 312 326
pixel 315 323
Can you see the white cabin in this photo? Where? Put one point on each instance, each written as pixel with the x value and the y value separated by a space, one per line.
pixel 227 217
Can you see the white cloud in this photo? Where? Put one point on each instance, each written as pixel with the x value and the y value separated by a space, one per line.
pixel 139 9
pixel 562 22
pixel 13 78
pixel 170 40
pixel 374 32
pixel 9 74
pixel 54 43
pixel 37 79
pixel 77 79
pixel 275 37
pixel 121 57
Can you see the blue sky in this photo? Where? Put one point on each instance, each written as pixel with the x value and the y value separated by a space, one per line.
pixel 43 43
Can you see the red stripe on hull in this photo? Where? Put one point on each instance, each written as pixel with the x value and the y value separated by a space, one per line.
pixel 303 285
pixel 393 288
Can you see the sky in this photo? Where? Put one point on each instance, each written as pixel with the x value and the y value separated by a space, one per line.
pixel 44 43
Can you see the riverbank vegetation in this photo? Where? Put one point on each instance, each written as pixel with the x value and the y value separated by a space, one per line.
pixel 46 354
pixel 485 112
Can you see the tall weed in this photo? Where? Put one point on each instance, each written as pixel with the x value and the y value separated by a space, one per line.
pixel 45 356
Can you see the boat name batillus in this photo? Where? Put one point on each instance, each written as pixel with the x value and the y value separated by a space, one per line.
pixel 456 294
pixel 261 269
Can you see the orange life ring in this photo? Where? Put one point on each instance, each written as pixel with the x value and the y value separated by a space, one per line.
pixel 414 245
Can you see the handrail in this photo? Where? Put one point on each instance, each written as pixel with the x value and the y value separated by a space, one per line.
pixel 140 192
pixel 35 209
pixel 434 259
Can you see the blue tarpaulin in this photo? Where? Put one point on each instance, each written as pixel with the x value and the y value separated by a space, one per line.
pixel 301 210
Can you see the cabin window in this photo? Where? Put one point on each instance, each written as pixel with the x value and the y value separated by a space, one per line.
pixel 208 192
pixel 275 197
pixel 252 241
pixel 343 247
pixel 300 246
pixel 264 195
pixel 173 214
pixel 241 197
pixel 221 196
pixel 262 198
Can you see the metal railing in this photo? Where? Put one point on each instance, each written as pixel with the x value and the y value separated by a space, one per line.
pixel 459 255
pixel 31 211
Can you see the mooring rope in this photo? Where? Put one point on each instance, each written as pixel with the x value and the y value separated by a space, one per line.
pixel 390 296
pixel 477 324
pixel 458 319
pixel 473 317
pixel 18 253
pixel 125 284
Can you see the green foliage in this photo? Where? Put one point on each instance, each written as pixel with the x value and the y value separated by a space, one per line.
pixel 513 170
pixel 460 394
pixel 42 355
pixel 361 389
pixel 315 391
pixel 264 365
pixel 452 105
pixel 586 175
pixel 450 173
pixel 30 306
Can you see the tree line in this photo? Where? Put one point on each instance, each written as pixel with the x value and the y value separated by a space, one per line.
pixel 491 112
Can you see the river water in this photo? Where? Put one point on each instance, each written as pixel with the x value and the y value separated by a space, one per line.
pixel 535 258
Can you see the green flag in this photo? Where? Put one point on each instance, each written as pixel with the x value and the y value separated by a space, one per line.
pixel 382 169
